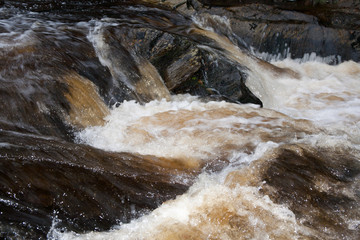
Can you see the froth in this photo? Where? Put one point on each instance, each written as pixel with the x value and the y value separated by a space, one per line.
pixel 327 95
pixel 211 209
pixel 191 132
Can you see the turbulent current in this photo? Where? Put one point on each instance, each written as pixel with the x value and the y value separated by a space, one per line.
pixel 320 111
pixel 87 121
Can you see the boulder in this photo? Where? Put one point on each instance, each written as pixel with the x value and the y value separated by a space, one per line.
pixel 46 181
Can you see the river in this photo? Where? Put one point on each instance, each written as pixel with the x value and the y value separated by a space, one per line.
pixel 93 144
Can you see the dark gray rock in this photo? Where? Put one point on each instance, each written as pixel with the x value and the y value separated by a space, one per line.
pixel 279 29
pixel 79 187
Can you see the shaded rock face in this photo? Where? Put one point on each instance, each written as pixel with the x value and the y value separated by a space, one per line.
pixel 176 58
pixel 45 180
pixel 279 30
pixel 127 67
pixel 199 73
pixel 218 79
pixel 186 68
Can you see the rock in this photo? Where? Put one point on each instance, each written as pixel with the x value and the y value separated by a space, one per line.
pixel 128 67
pixel 80 188
pixel 218 79
pixel 220 3
pixel 48 78
pixel 87 108
pixel 176 59
pixel 282 31
pixel 180 70
pixel 318 185
pixel 187 69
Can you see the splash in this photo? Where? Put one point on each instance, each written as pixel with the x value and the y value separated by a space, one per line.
pixel 243 139
pixel 211 210
pixel 192 132
pixel 327 95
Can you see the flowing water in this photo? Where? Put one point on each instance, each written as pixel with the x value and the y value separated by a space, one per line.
pixel 208 169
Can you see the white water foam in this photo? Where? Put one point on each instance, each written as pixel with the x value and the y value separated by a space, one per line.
pixel 325 95
pixel 308 57
pixel 188 130
pixel 216 206
pixel 211 209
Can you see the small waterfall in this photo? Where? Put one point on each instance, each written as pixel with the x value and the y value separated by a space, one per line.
pixel 201 30
pixel 127 67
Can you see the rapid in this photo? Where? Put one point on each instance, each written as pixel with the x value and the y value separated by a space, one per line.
pixel 174 166
pixel 314 115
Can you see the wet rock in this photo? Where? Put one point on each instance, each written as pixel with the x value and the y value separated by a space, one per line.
pixel 78 187
pixel 281 30
pixel 65 5
pixel 176 58
pixel 219 3
pixel 318 186
pixel 180 70
pixel 87 108
pixel 130 68
pixel 219 78
pixel 51 83
pixel 186 68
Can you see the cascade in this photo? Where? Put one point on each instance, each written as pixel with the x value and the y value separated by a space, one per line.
pixel 120 123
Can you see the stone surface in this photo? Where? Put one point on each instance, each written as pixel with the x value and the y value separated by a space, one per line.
pixel 320 186
pixel 183 68
pixel 280 30
pixel 128 67
pixel 317 188
pixel 79 187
